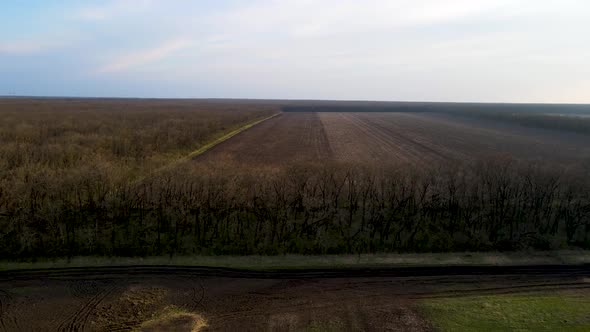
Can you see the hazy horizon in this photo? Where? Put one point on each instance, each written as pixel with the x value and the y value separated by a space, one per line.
pixel 520 51
pixel 279 100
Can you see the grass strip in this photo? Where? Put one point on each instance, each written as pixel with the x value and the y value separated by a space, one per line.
pixel 207 147
pixel 295 262
pixel 557 311
pixel 225 137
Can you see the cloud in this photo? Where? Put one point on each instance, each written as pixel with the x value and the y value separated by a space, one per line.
pixel 26 47
pixel 377 49
pixel 139 58
pixel 112 9
pixel 312 18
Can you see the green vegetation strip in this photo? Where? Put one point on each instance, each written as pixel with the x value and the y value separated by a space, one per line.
pixel 560 311
pixel 290 262
pixel 209 145
pixel 219 140
pixel 227 136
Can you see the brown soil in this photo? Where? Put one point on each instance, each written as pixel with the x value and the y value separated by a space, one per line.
pixel 427 137
pixel 287 138
pixel 175 322
pixel 391 137
pixel 182 301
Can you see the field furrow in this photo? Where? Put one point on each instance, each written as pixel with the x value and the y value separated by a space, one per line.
pixel 394 138
pixel 291 137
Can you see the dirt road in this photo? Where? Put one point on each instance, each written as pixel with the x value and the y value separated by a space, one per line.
pixel 123 299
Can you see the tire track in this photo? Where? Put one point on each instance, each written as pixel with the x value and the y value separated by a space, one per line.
pixel 108 273
pixel 6 321
pixel 390 147
pixel 3 302
pixel 313 142
pixel 304 292
pixel 83 288
pixel 319 139
pixel 127 326
pixel 379 146
pixel 460 142
pixel 471 138
pixel 197 293
pixel 4 299
pixel 376 298
pixel 77 320
pixel 503 290
pixel 198 296
pixel 407 142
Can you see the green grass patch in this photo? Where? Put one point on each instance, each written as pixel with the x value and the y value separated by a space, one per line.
pixel 227 136
pixel 561 311
pixel 206 147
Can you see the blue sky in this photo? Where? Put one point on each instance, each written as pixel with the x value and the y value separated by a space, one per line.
pixel 423 50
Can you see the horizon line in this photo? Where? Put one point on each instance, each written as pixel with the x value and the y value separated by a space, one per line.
pixel 292 100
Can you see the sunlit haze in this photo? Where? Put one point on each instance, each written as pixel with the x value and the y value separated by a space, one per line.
pixel 426 50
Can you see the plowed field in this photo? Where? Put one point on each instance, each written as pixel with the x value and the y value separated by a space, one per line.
pixel 287 138
pixel 389 137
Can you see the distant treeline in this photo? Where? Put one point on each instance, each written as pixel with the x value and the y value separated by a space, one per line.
pixel 306 209
pixel 546 121
pixel 359 108
pixel 130 138
pixel 547 116
pixel 445 107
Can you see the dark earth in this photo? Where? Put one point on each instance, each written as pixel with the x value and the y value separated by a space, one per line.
pixel 201 299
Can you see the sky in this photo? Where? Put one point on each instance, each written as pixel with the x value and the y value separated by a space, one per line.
pixel 411 50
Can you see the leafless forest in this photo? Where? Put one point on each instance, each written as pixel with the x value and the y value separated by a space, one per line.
pixel 85 177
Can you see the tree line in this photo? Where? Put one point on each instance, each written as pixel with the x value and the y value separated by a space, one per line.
pixel 303 209
pixel 132 137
